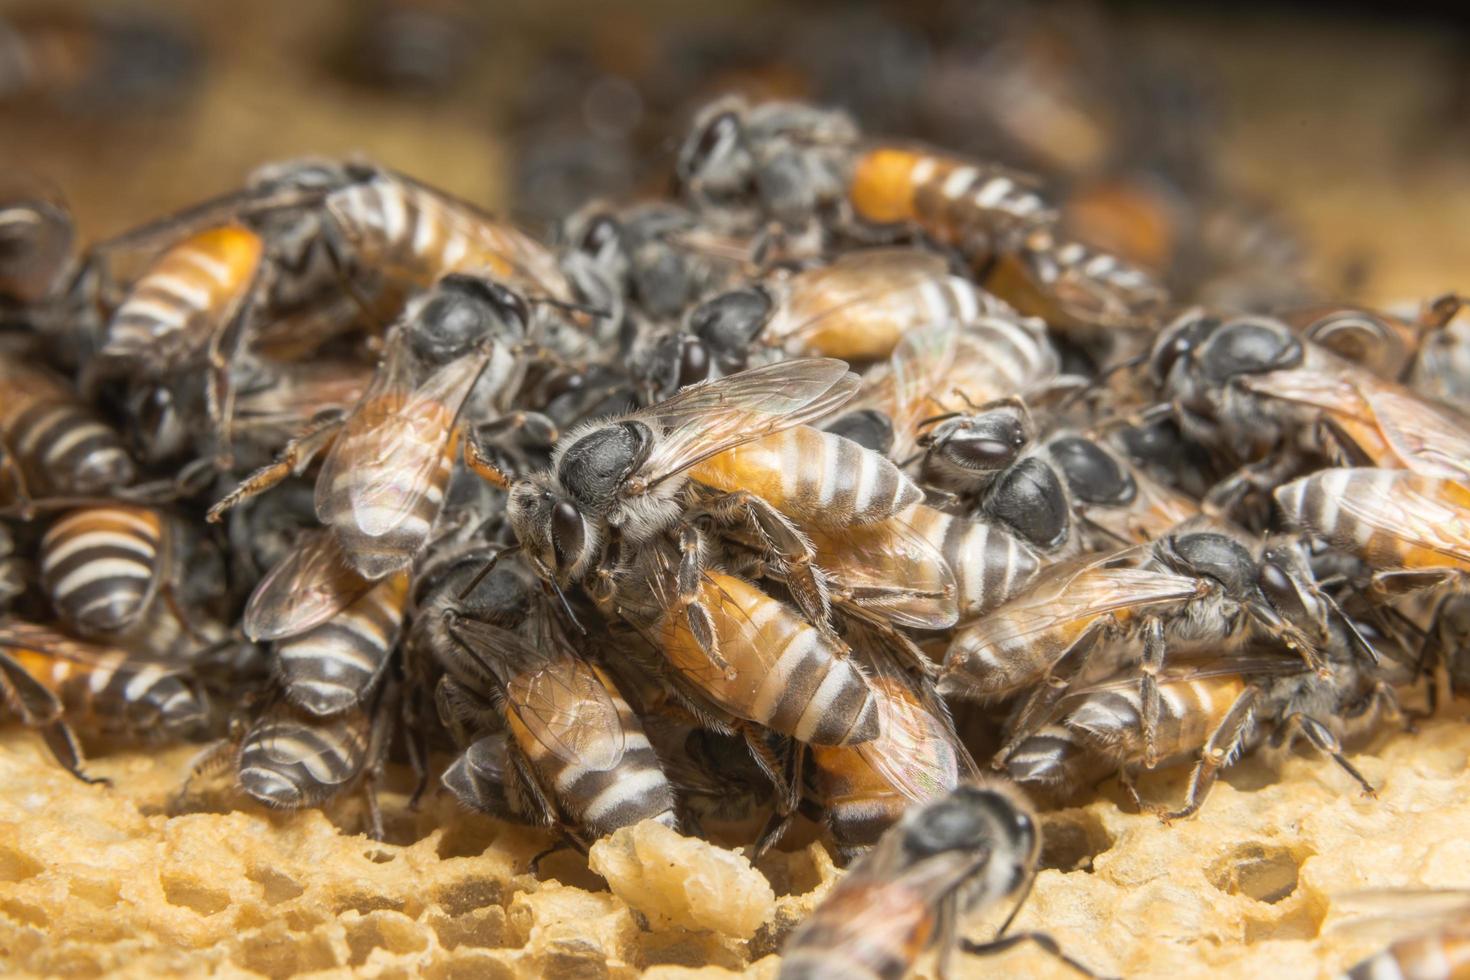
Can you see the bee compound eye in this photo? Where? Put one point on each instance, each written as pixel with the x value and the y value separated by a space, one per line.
pixel 567 533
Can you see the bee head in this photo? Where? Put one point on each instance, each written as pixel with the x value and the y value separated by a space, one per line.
pixel 714 160
pixel 730 322
pixel 460 314
pixel 983 443
pixel 1178 343
pixel 677 359
pixel 1249 345
pixel 978 823
pixel 552 529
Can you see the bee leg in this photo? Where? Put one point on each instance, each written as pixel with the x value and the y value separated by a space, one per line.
pixel 299 452
pixel 1128 780
pixel 1150 701
pixel 478 462
pixel 62 742
pixel 1218 752
pixel 690 579
pixel 1326 742
pixel 10 467
pixel 788 801
pixel 1036 709
pixel 540 429
pixel 1041 939
pixel 1225 497
pixel 797 557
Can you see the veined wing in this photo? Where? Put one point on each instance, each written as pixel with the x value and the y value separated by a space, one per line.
pixel 307 587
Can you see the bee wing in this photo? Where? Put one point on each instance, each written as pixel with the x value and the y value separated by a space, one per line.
pixel 917 750
pixel 556 694
pixel 886 896
pixel 887 283
pixel 1095 591
pixel 1246 666
pixel 1429 440
pixel 1333 393
pixel 869 559
pixel 1429 513
pixel 704 420
pixel 307 587
pixel 392 444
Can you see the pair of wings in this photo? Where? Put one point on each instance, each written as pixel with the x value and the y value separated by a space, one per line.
pixel 1402 505
pixel 1068 593
pixel 562 700
pixel 706 419
pixel 1430 439
pixel 904 576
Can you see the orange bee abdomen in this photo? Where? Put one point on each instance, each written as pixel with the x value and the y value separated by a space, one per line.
pixel 812 476
pixel 787 675
pixel 186 294
pixel 955 201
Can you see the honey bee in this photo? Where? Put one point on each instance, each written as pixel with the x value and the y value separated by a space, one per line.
pixel 791 158
pixel 776 670
pixel 578 754
pixel 855 309
pixel 916 757
pixel 1066 494
pixel 51 444
pixel 382 483
pixel 335 666
pixel 1210 714
pixel 1249 388
pixel 36 242
pixel 113 573
pixel 741 435
pixel 56 684
pixel 971 849
pixel 1195 587
pixel 289 759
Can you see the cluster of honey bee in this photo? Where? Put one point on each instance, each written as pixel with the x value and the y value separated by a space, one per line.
pixel 713 512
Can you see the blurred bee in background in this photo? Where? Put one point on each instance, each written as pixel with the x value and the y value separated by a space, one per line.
pixel 971 849
pixel 1436 949
pixel 37 238
pixel 1385 344
pixel 95 62
pixel 51 443
pixel 418 47
pixel 58 685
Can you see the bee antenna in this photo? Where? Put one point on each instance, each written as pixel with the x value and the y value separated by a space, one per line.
pixel 489 565
pixel 1016 909
pixel 567 606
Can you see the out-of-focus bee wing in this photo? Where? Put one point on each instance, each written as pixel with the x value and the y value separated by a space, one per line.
pixel 558 697
pixel 1093 592
pixel 1331 393
pixel 873 283
pixel 707 419
pixel 306 588
pixel 892 570
pixel 1428 439
pixel 1428 513
pixel 1244 666
pixel 885 896
pixel 392 443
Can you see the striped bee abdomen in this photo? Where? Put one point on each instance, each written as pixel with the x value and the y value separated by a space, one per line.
pixel 101 566
pixel 990 564
pixel 788 676
pixel 185 296
pixel 60 446
pixel 813 477
pixel 292 760
pixel 957 202
pixel 336 665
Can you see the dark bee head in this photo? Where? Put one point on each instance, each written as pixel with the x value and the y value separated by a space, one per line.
pixel 1214 556
pixel 867 427
pixel 714 162
pixel 1029 497
pixel 1247 346
pixel 1092 474
pixel 551 528
pixel 1177 343
pixel 460 314
pixel 977 822
pixel 983 443
pixel 677 359
pixel 161 429
pixel 730 322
